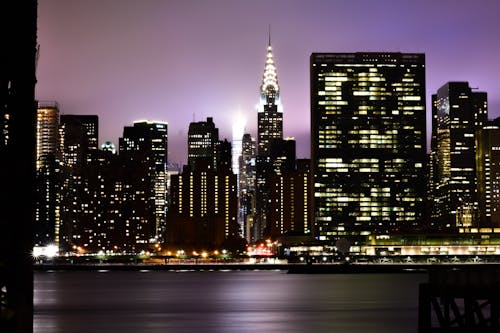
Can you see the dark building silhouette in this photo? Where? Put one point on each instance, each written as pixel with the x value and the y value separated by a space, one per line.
pixel 17 168
pixel 291 201
pixel 204 197
pixel 457 114
pixel 282 153
pixel 368 144
pixel 203 142
pixel 203 210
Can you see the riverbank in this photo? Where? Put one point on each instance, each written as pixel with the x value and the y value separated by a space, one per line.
pixel 289 268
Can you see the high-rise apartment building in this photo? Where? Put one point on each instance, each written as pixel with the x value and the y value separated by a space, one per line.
pixel 458 113
pixel 47 215
pixel 143 152
pixel 368 144
pixel 78 136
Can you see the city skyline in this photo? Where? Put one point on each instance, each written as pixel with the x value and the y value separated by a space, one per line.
pixel 127 61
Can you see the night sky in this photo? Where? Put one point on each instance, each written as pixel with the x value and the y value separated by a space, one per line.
pixel 179 60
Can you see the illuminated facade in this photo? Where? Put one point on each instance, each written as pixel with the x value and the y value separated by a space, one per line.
pixel 247 184
pixel 488 176
pixel 270 113
pixel 47 214
pixel 368 144
pixel 457 113
pixel 143 152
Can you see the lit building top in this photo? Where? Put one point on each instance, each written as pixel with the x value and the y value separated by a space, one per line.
pixel 270 78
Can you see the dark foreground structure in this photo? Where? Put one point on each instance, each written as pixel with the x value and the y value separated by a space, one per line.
pixel 465 300
pixel 18 34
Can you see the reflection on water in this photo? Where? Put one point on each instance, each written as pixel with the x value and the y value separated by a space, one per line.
pixel 235 301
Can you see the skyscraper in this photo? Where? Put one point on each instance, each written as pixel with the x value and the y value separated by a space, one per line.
pixel 47 217
pixel 203 141
pixel 247 185
pixel 488 175
pixel 367 142
pixel 270 113
pixel 457 113
pixel 143 152
pixel 269 128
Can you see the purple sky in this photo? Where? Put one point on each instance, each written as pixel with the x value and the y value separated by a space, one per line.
pixel 180 60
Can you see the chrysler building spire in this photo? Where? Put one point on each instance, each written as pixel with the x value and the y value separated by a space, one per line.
pixel 269 84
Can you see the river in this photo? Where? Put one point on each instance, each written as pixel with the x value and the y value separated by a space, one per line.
pixel 224 301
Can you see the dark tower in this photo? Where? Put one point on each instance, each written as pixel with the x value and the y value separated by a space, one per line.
pixel 17 169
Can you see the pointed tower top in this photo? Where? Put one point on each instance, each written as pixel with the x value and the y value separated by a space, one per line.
pixel 270 78
pixel 269 30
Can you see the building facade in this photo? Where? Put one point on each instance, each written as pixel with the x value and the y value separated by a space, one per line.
pixel 457 114
pixel 143 153
pixel 47 204
pixel 203 142
pixel 368 144
pixel 78 135
pixel 247 177
pixel 269 128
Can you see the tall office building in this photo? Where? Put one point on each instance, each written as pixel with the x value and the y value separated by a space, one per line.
pixel 457 113
pixel 269 128
pixel 78 136
pixel 47 216
pixel 203 141
pixel 143 152
pixel 368 142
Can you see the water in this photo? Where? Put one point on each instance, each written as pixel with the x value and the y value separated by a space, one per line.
pixel 233 301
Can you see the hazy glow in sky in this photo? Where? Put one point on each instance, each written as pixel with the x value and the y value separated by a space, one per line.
pixel 185 60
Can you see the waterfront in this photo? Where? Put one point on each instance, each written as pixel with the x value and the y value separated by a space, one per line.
pixel 224 301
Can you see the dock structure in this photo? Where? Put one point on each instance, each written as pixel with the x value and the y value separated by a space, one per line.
pixel 460 300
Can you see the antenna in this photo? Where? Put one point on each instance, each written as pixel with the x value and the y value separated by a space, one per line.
pixel 269 31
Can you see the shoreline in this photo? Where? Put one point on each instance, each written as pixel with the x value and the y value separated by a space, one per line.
pixel 289 268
